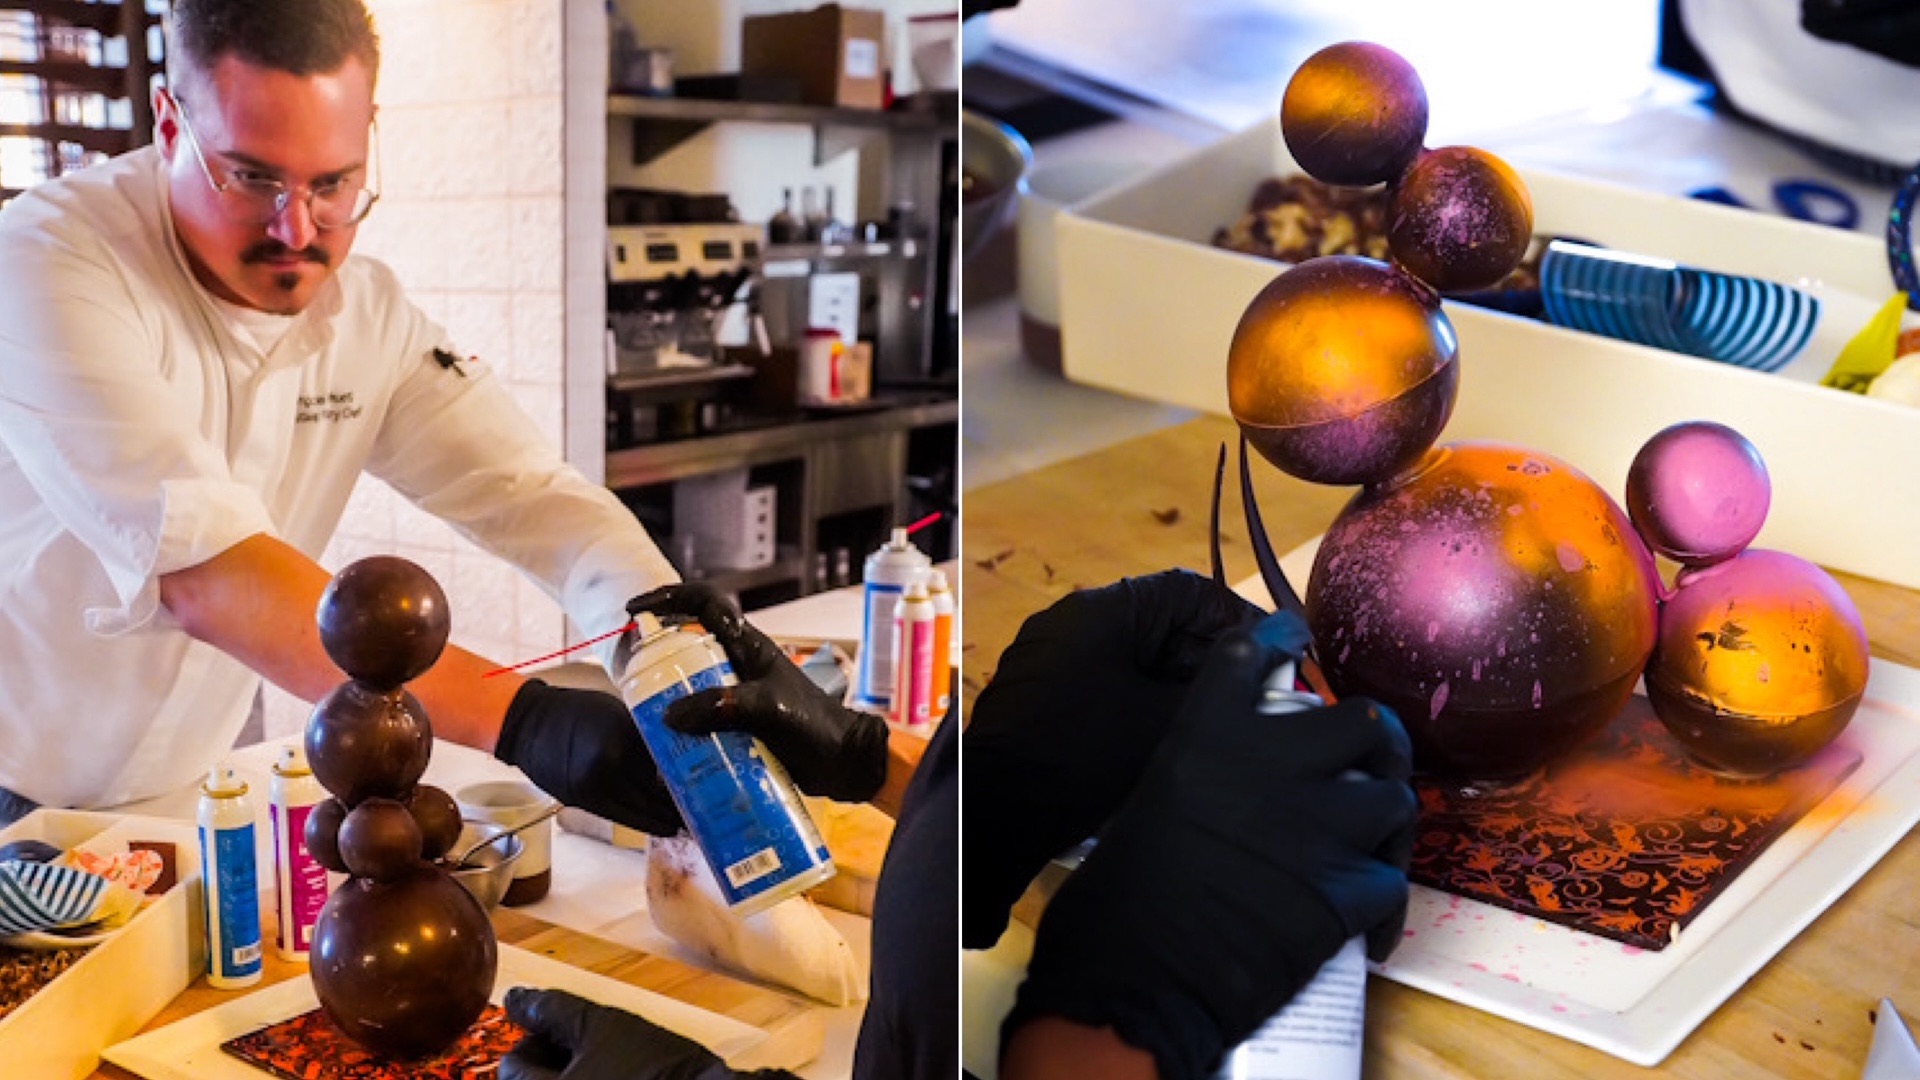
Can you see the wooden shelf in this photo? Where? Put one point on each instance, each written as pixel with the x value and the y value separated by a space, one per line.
pixel 662 123
pixel 105 140
pixel 110 81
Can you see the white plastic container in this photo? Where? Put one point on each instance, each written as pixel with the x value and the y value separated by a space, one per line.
pixel 913 633
pixel 886 574
pixel 299 882
pixel 738 802
pixel 943 611
pixel 232 881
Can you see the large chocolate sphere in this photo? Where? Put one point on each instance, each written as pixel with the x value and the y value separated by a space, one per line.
pixel 362 742
pixel 1497 599
pixel 1355 114
pixel 403 967
pixel 1698 492
pixel 1762 661
pixel 384 620
pixel 1342 371
pixel 1460 219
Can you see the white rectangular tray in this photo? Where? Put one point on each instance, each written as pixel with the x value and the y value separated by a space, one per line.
pixel 189 1049
pixel 1148 308
pixel 126 980
pixel 1640 1005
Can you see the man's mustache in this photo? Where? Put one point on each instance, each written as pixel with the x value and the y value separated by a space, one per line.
pixel 273 250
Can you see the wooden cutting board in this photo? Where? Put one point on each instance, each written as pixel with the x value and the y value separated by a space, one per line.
pixel 796 1027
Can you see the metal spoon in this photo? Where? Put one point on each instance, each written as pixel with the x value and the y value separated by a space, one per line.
pixel 460 863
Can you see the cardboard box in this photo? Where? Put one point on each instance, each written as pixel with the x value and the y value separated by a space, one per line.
pixel 1148 308
pixel 832 53
pixel 126 980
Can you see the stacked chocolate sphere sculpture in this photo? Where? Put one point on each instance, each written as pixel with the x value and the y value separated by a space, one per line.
pixel 1494 596
pixel 403 957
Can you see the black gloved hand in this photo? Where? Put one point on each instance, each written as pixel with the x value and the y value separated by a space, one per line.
pixel 1242 862
pixel 1059 737
pixel 828 749
pixel 582 747
pixel 569 1038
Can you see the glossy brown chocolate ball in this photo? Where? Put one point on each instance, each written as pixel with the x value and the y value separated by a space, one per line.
pixel 362 742
pixel 384 620
pixel 323 834
pixel 1342 371
pixel 438 817
pixel 1354 113
pixel 403 967
pixel 1460 219
pixel 1497 599
pixel 379 840
pixel 1762 661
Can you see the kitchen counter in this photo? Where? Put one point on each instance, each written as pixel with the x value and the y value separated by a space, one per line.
pixel 1141 506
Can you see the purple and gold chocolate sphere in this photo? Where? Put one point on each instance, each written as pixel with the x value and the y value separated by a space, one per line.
pixel 1355 113
pixel 1342 371
pixel 1496 599
pixel 1762 661
pixel 1460 219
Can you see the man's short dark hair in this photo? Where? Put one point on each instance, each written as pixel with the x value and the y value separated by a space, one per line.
pixel 300 37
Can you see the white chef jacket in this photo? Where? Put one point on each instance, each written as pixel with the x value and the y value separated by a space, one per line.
pixel 139 434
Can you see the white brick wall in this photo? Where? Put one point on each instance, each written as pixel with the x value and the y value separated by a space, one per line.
pixel 470 99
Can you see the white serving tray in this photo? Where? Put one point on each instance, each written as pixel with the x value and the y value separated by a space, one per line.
pixel 1148 308
pixel 189 1049
pixel 126 980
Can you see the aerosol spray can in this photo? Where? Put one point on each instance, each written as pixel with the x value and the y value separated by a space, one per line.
pixel 299 882
pixel 886 575
pixel 231 880
pixel 1318 1035
pixel 942 598
pixel 738 802
pixel 913 658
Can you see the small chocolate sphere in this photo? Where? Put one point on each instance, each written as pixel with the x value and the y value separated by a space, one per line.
pixel 438 817
pixel 1460 219
pixel 403 967
pixel 379 840
pixel 323 834
pixel 384 620
pixel 1354 113
pixel 1762 661
pixel 1497 600
pixel 1698 492
pixel 1342 371
pixel 362 742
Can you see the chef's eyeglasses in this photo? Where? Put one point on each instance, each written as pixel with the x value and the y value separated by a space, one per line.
pixel 253 198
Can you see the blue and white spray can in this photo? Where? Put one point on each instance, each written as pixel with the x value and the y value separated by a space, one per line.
pixel 738 802
pixel 886 574
pixel 231 878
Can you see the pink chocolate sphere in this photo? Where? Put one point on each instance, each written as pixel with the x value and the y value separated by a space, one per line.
pixel 1497 599
pixel 1698 492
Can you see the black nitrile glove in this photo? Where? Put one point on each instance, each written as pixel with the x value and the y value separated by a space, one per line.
pixel 570 1038
pixel 1242 862
pixel 582 747
pixel 828 749
pixel 1081 699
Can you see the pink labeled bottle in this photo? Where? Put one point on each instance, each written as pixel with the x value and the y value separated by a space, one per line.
pixel 913 633
pixel 299 881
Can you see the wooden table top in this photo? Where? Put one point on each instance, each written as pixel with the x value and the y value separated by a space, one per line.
pixel 797 1026
pixel 1142 506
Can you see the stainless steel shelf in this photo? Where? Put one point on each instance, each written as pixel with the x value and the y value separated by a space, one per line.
pixel 666 462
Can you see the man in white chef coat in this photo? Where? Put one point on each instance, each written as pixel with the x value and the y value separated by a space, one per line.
pixel 194 372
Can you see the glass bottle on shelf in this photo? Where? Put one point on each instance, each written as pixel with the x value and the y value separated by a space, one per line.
pixel 810 215
pixel 783 227
pixel 832 230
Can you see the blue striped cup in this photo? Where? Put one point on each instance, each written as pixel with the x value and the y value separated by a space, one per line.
pixel 1736 320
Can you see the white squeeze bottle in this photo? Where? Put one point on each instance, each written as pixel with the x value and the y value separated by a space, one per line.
pixel 886 574
pixel 913 627
pixel 299 881
pixel 942 598
pixel 231 880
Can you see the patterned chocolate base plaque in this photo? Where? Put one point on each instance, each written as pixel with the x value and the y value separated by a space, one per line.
pixel 1625 838
pixel 309 1047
